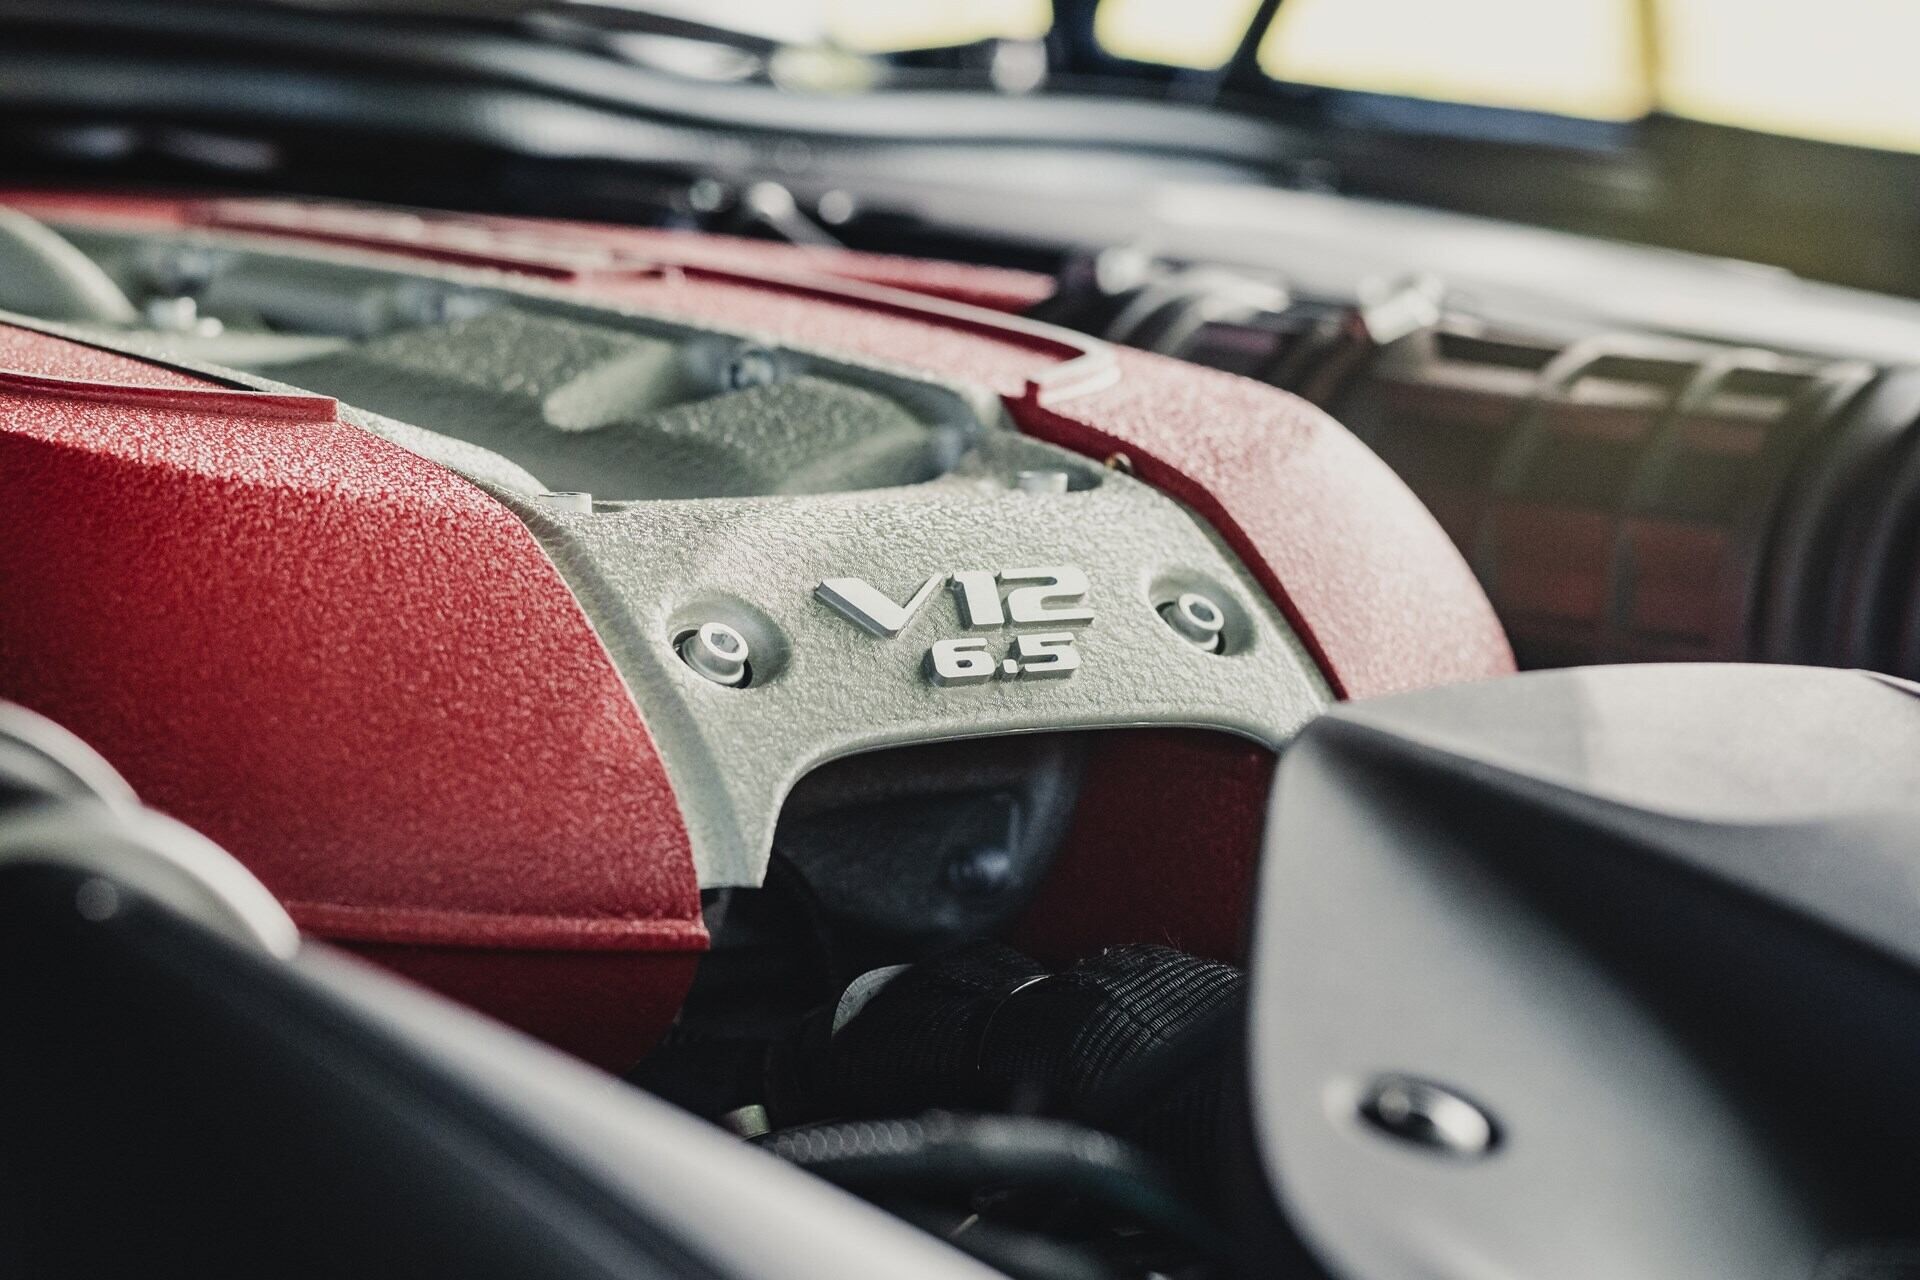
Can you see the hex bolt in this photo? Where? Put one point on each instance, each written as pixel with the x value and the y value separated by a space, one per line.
pixel 718 652
pixel 706 195
pixel 568 500
pixel 180 314
pixel 1197 620
pixel 96 899
pixel 1041 481
pixel 749 1122
pixel 836 208
pixel 1424 1114
pixel 188 270
pixel 425 303
pixel 750 367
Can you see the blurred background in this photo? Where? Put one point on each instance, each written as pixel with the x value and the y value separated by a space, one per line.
pixel 1781 132
pixel 1771 130
pixel 1839 70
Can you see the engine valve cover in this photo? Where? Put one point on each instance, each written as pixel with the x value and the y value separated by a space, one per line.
pixel 487 585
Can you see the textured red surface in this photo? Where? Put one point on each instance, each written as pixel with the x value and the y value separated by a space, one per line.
pixel 338 660
pixel 608 1007
pixel 1163 848
pixel 1367 578
pixel 563 250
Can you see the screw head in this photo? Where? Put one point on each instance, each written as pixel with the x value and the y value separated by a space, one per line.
pixel 751 367
pixel 718 652
pixel 188 269
pixel 96 900
pixel 571 500
pixel 750 1121
pixel 180 314
pixel 1424 1114
pixel 1041 481
pixel 836 208
pixel 706 196
pixel 425 302
pixel 1197 620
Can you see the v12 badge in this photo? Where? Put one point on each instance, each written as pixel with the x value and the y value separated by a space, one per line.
pixel 1051 596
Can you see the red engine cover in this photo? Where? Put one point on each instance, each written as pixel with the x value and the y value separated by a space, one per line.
pixel 361 674
pixel 352 668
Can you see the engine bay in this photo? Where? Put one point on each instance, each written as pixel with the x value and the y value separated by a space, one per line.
pixel 924 669
pixel 1100 744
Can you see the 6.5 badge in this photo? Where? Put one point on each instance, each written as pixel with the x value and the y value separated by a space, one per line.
pixel 1052 596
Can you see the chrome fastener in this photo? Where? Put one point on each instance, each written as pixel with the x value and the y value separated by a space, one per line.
pixel 718 652
pixel 1197 620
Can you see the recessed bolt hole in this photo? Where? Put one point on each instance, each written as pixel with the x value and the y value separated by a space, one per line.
pixel 1424 1114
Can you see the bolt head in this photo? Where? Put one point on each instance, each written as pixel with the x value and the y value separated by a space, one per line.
pixel 1197 620
pixel 751 367
pixel 836 208
pixel 718 652
pixel 1041 481
pixel 570 500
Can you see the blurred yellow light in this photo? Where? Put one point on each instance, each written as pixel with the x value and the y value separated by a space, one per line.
pixel 1571 57
pixel 1838 70
pixel 890 26
pixel 1199 34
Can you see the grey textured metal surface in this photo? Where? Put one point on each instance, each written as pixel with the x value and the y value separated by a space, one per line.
pixel 586 398
pixel 648 572
pixel 1659 922
pixel 623 415
pixel 835 468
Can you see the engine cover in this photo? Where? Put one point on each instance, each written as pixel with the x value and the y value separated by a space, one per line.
pixel 486 585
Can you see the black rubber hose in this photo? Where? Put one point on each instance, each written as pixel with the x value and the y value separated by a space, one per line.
pixel 984 1028
pixel 944 1152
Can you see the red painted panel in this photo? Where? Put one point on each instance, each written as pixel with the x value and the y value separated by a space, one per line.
pixel 608 1007
pixel 340 661
pixel 543 246
pixel 1365 575
pixel 1164 848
